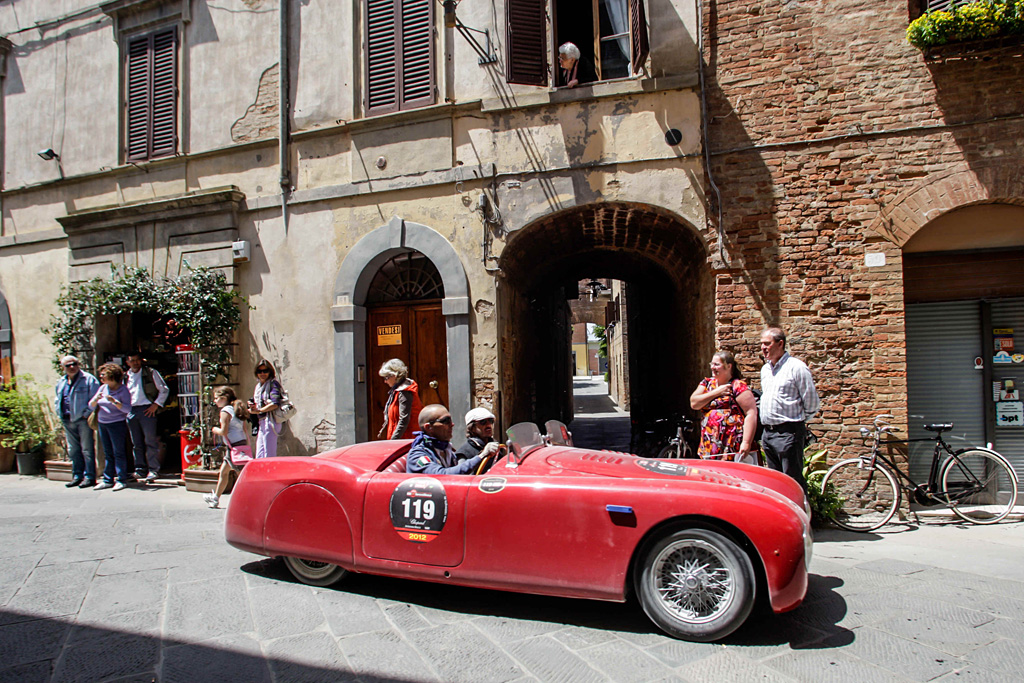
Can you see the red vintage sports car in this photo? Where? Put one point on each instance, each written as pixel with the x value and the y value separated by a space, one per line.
pixel 697 540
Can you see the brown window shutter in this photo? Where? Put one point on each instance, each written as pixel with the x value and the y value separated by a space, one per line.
pixel 417 84
pixel 526 56
pixel 381 56
pixel 138 98
pixel 638 28
pixel 165 94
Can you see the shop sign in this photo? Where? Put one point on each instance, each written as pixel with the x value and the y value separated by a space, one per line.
pixel 389 335
pixel 1002 358
pixel 1003 339
pixel 1010 414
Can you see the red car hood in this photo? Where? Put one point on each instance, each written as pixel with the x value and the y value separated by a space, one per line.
pixel 625 465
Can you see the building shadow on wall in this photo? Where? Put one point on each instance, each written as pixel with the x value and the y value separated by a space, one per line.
pixel 742 202
pixel 977 93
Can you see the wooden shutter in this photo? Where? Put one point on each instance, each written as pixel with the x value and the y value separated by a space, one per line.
pixel 936 5
pixel 151 99
pixel 417 81
pixel 381 57
pixel 638 29
pixel 526 54
pixel 165 94
pixel 139 88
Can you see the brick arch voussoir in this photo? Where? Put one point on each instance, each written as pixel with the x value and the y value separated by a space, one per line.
pixel 940 194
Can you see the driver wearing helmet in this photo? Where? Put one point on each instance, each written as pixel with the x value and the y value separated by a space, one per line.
pixel 431 451
pixel 479 435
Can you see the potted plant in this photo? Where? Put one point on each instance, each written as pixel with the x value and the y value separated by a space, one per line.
pixel 26 425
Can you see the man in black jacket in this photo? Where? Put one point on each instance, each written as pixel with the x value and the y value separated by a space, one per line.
pixel 479 435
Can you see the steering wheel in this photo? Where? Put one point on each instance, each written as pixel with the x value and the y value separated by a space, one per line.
pixel 488 460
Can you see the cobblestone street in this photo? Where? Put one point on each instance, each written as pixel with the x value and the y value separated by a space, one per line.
pixel 139 585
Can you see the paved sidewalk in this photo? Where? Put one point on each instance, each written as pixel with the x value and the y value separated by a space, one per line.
pixel 139 585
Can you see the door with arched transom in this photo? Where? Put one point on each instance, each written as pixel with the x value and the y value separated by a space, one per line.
pixel 404 320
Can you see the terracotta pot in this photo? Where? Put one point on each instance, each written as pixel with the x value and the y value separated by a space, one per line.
pixel 204 481
pixel 58 470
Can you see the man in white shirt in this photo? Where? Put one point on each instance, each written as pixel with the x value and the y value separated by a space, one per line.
pixel 149 393
pixel 788 400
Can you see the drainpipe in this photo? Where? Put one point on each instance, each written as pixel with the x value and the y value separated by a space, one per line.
pixel 284 108
pixel 5 48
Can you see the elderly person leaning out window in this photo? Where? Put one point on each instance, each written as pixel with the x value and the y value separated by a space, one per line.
pixel 402 409
pixel 569 63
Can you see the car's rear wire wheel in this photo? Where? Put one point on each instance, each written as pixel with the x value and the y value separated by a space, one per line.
pixel 696 584
pixel 315 573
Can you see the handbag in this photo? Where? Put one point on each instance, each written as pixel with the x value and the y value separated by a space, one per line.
pixel 285 409
pixel 93 420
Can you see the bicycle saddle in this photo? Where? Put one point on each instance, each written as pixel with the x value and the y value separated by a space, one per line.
pixel 939 427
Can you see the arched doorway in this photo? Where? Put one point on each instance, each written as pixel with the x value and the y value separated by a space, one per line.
pixel 404 320
pixel 6 368
pixel 964 299
pixel 350 316
pixel 668 289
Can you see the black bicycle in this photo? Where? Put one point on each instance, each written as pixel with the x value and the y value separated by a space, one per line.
pixel 977 484
pixel 662 438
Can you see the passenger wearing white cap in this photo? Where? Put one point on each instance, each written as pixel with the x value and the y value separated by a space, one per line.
pixel 479 435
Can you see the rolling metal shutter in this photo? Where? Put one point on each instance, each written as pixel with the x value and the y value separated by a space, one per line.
pixel 1009 441
pixel 943 339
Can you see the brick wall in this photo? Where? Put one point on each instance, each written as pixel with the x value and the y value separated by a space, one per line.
pixel 830 136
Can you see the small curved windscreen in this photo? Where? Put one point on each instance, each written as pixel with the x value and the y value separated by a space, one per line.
pixel 558 433
pixel 523 437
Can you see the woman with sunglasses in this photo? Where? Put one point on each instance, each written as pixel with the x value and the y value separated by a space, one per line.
pixel 265 400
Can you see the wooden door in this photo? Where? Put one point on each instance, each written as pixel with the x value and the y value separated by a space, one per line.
pixel 414 333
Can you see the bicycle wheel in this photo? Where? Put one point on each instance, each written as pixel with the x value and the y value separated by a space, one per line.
pixel 870 495
pixel 669 451
pixel 980 485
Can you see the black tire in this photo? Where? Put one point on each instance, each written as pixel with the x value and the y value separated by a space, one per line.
pixel 696 584
pixel 314 573
pixel 669 451
pixel 870 495
pixel 980 485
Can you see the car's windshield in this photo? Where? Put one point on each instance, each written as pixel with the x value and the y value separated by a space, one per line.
pixel 523 438
pixel 558 434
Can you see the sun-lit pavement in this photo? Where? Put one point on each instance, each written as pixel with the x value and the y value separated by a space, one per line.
pixel 139 585
pixel 598 422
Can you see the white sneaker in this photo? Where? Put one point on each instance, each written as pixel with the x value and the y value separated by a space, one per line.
pixel 151 477
pixel 102 485
pixel 211 499
pixel 118 485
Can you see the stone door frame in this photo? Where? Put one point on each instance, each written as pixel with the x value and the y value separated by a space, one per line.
pixel 348 315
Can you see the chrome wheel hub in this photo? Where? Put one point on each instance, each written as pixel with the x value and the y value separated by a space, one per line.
pixel 693 580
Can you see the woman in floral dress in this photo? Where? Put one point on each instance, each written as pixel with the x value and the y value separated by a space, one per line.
pixel 730 412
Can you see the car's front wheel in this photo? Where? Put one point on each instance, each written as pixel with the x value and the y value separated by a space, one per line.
pixel 315 573
pixel 696 584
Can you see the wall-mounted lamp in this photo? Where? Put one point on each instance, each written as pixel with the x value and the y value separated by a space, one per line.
pixel 49 155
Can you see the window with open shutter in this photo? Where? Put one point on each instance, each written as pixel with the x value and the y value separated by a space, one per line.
pixel 399 55
pixel 611 36
pixel 151 95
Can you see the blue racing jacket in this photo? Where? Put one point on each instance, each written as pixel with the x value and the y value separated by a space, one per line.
pixel 432 456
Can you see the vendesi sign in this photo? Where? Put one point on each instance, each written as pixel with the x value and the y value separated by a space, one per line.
pixel 389 335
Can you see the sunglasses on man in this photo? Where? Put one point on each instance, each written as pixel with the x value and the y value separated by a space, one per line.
pixel 71 365
pixel 446 420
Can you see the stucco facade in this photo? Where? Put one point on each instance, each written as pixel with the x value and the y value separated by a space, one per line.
pixel 457 181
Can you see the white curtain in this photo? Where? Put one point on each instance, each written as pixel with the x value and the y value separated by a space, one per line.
pixel 618 15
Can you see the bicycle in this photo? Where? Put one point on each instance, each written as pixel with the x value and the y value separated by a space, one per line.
pixel 977 484
pixel 678 446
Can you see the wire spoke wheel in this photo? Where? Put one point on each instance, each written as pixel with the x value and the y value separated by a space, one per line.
pixel 697 585
pixel 870 495
pixel 314 573
pixel 979 486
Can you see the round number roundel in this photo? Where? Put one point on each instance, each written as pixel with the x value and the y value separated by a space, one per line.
pixel 419 508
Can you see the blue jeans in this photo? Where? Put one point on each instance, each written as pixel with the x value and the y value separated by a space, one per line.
pixel 145 444
pixel 112 435
pixel 81 449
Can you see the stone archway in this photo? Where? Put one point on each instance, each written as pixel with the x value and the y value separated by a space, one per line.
pixel 349 317
pixel 670 291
